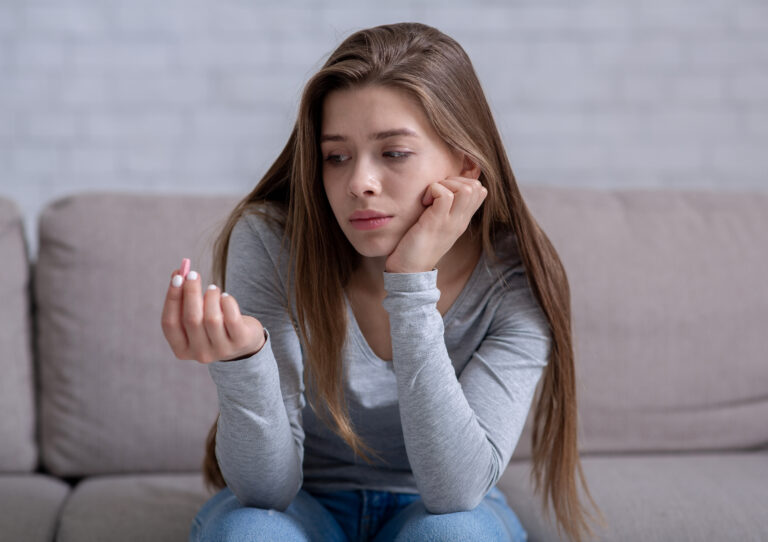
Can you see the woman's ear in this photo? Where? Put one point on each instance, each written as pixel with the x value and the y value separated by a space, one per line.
pixel 470 169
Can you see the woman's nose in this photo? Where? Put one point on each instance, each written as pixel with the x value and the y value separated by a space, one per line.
pixel 364 179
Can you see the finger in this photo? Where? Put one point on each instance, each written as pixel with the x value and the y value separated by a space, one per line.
pixel 171 317
pixel 483 195
pixel 233 320
pixel 257 337
pixel 463 185
pixel 246 332
pixel 441 202
pixel 468 194
pixel 426 198
pixel 461 181
pixel 192 316
pixel 213 321
pixel 456 185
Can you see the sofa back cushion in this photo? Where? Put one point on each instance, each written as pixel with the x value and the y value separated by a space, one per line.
pixel 18 448
pixel 669 308
pixel 669 293
pixel 114 397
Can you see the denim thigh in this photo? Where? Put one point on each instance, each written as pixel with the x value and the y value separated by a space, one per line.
pixel 383 516
pixel 355 515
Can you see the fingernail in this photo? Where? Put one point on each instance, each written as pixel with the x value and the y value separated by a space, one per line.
pixel 192 275
pixel 225 294
pixel 177 280
pixel 211 286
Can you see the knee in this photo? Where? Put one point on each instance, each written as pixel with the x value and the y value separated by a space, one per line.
pixel 475 524
pixel 241 524
pixel 224 518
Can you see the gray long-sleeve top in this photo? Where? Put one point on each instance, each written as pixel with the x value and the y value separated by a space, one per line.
pixel 444 415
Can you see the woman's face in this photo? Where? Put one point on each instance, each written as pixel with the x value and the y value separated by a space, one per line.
pixel 380 153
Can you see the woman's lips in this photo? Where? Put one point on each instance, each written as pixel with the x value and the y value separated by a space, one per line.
pixel 370 223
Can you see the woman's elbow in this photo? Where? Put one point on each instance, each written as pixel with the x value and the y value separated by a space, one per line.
pixel 275 496
pixel 449 504
pixel 279 501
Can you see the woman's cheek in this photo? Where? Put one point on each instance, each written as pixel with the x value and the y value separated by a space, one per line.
pixel 333 192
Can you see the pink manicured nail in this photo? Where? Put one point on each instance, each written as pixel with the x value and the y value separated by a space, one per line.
pixel 185 267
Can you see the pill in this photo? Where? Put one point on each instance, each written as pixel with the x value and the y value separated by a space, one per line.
pixel 185 267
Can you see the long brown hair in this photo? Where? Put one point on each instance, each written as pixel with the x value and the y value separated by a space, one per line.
pixel 434 69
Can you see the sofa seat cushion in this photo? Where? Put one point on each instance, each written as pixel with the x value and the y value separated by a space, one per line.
pixel 29 506
pixel 144 507
pixel 660 497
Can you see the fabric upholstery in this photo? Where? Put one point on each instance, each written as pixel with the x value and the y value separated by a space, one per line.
pixel 685 497
pixel 29 506
pixel 670 311
pixel 669 316
pixel 128 508
pixel 114 397
pixel 18 447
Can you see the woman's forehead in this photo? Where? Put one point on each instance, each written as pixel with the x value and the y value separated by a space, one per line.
pixel 371 112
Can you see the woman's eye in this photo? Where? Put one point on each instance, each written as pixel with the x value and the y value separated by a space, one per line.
pixel 335 158
pixel 397 154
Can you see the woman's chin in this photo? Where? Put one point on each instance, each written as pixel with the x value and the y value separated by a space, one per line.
pixel 373 253
pixel 372 249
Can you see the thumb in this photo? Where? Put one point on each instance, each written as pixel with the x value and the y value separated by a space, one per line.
pixel 429 195
pixel 254 330
pixel 442 199
pixel 240 328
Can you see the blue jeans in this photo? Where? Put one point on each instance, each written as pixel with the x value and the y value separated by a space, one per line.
pixel 355 516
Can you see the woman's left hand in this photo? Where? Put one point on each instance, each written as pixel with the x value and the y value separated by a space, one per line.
pixel 450 205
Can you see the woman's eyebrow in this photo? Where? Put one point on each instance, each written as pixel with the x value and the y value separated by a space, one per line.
pixel 376 136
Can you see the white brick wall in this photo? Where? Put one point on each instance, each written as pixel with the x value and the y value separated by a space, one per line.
pixel 200 95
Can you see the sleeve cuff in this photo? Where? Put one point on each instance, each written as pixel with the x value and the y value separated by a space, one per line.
pixel 410 282
pixel 410 291
pixel 250 365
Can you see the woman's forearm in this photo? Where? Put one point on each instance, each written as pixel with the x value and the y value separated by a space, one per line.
pixel 258 455
pixel 459 432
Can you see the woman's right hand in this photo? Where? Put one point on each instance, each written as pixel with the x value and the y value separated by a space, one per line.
pixel 207 328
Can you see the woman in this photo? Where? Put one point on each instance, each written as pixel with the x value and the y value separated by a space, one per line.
pixel 391 306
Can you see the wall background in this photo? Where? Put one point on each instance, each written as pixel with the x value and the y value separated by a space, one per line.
pixel 200 95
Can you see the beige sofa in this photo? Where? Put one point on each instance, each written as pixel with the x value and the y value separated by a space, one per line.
pixel 102 429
